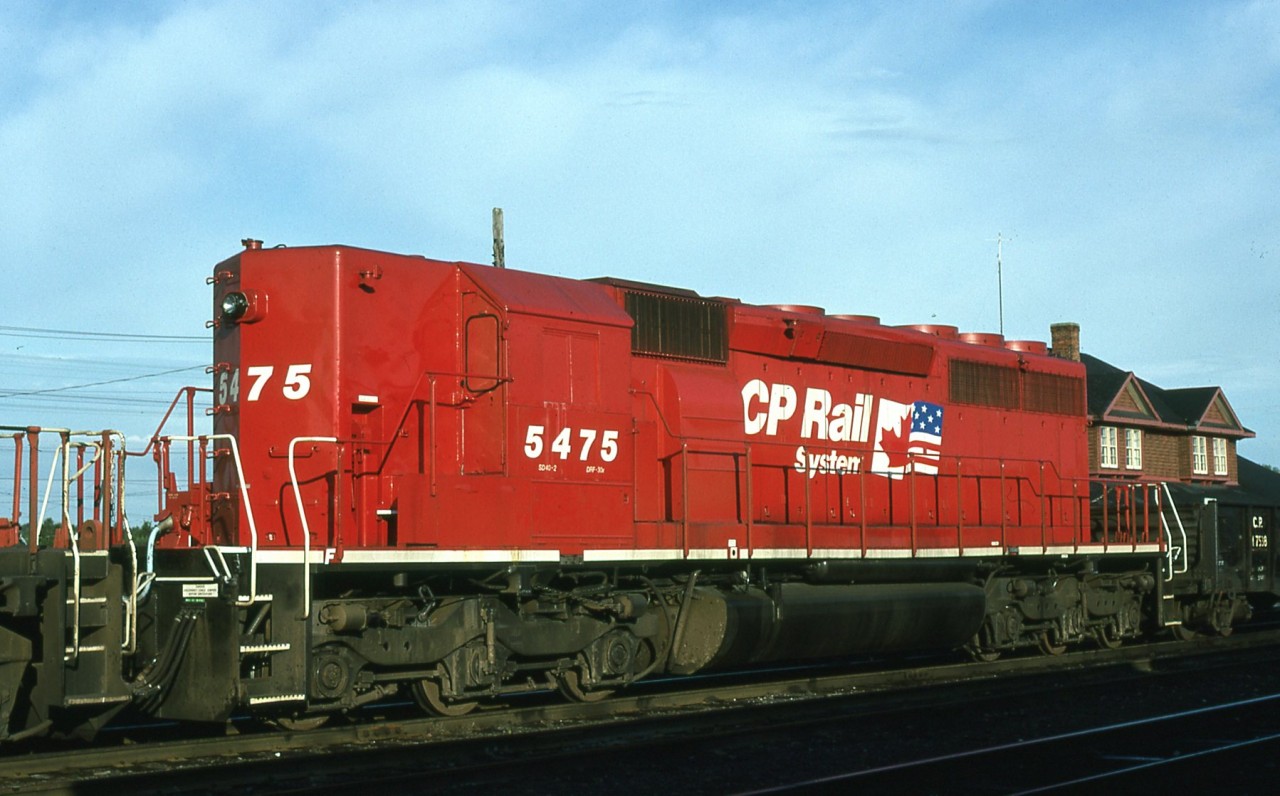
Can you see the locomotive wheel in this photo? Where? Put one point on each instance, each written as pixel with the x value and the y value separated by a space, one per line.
pixel 1184 633
pixel 427 694
pixel 984 655
pixel 1107 637
pixel 570 685
pixel 1048 646
pixel 301 723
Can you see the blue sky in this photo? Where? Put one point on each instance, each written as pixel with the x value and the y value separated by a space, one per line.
pixel 858 156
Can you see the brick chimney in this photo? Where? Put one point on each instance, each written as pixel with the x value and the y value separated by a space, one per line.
pixel 1065 339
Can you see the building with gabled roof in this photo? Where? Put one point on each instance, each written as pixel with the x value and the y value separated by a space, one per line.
pixel 1140 430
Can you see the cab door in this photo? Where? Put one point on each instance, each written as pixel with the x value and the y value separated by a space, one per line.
pixel 483 416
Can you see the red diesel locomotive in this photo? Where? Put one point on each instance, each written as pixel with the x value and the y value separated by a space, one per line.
pixel 461 481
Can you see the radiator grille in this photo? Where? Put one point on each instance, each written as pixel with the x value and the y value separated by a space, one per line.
pixel 677 327
pixel 984 384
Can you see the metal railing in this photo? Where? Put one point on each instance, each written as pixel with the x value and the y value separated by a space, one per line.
pixel 243 486
pixel 302 514
pixel 1020 485
pixel 1040 480
pixel 106 515
pixel 1173 570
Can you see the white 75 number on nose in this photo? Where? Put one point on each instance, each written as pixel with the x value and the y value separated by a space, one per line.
pixel 297 382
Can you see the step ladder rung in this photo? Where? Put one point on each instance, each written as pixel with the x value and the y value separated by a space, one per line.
pixel 95 700
pixel 87 648
pixel 251 649
pixel 264 700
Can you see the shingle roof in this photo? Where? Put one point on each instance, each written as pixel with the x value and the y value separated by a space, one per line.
pixel 1184 407
pixel 1260 481
pixel 1104 382
pixel 1191 402
pixel 1258 486
pixel 1168 407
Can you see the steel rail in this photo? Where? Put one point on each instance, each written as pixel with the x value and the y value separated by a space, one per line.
pixel 878 691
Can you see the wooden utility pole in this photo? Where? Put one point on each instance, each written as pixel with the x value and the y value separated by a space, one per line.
pixel 499 246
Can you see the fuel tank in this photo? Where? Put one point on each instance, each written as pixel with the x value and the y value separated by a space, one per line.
pixel 798 622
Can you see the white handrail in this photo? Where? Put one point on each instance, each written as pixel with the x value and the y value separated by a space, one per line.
pixel 1181 529
pixel 74 539
pixel 306 529
pixel 130 641
pixel 248 508
pixel 36 522
pixel 73 535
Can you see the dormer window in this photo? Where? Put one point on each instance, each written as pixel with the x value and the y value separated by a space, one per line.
pixel 1132 449
pixel 1199 457
pixel 1108 450
pixel 1219 456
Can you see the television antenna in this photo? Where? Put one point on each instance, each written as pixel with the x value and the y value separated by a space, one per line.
pixel 1000 277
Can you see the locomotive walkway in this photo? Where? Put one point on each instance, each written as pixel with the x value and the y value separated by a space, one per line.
pixel 724 735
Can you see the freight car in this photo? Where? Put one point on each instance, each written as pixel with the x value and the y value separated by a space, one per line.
pixel 463 482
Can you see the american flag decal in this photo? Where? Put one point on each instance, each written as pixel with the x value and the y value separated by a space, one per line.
pixel 924 443
pixel 908 438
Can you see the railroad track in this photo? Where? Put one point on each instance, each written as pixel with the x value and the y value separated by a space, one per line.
pixel 1165 750
pixel 495 743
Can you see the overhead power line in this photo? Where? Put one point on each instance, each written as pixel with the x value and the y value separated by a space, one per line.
pixel 15 393
pixel 72 334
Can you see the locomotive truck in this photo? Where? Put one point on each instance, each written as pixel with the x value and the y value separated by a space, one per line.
pixel 463 482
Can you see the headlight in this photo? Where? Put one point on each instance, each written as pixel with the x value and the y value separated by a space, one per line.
pixel 234 306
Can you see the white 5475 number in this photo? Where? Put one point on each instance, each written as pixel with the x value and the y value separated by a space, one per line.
pixel 297 383
pixel 563 443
